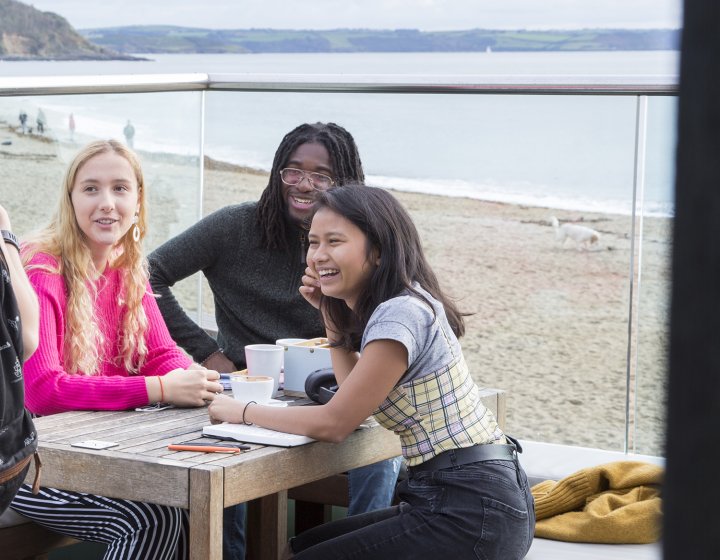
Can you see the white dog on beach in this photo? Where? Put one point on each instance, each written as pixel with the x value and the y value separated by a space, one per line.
pixel 583 236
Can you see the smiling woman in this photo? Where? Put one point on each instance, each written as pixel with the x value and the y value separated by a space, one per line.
pixel 99 316
pixel 395 354
pixel 340 256
pixel 103 344
pixel 106 199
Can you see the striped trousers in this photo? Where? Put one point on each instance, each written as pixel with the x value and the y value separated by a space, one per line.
pixel 132 530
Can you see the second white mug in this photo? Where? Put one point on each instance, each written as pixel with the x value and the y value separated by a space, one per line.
pixel 265 359
pixel 248 388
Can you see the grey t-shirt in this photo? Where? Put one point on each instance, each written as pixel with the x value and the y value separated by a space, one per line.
pixel 430 342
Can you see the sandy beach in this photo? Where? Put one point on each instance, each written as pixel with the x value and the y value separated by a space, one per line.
pixel 549 322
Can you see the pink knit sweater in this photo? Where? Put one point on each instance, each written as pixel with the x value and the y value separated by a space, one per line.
pixel 50 389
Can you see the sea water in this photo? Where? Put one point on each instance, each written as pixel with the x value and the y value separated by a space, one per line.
pixel 558 151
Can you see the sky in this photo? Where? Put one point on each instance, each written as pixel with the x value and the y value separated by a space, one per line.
pixel 426 15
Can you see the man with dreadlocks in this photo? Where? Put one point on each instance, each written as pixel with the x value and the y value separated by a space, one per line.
pixel 253 256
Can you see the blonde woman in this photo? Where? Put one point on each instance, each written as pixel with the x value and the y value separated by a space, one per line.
pixel 103 343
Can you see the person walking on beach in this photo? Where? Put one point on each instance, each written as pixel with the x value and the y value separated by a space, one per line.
pixel 395 353
pixel 71 127
pixel 41 121
pixel 100 351
pixel 129 132
pixel 19 325
pixel 253 256
pixel 23 120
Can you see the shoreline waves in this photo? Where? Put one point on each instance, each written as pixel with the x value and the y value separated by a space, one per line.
pixel 519 192
pixel 548 323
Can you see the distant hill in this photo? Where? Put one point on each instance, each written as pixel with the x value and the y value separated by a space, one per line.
pixel 170 39
pixel 29 34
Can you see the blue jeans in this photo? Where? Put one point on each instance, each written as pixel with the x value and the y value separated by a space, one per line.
pixel 373 487
pixel 234 532
pixel 482 510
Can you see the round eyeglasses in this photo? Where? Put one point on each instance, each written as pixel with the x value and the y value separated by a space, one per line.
pixel 318 181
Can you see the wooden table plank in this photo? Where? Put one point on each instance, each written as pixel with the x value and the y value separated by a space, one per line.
pixel 129 426
pixel 114 474
pixel 60 422
pixel 257 472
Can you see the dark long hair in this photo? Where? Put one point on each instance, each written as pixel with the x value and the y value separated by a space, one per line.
pixel 346 164
pixel 391 232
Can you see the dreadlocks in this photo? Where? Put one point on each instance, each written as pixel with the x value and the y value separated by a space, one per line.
pixel 346 164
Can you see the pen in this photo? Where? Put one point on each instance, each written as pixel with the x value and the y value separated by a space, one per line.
pixel 202 448
pixel 226 438
pixel 214 444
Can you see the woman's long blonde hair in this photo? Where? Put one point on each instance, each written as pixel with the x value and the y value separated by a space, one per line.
pixel 63 239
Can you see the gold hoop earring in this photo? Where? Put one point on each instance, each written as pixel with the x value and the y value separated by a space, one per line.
pixel 136 230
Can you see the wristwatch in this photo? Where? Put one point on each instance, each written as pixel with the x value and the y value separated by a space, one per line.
pixel 10 238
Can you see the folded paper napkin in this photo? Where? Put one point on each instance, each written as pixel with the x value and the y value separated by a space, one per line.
pixel 614 503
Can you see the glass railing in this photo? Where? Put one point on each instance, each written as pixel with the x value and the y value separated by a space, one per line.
pixel 576 334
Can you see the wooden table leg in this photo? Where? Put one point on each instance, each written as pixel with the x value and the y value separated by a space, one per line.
pixel 206 512
pixel 267 527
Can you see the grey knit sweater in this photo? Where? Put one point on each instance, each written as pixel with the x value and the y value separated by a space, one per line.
pixel 255 289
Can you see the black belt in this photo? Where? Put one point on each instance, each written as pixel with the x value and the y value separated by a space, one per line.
pixel 466 455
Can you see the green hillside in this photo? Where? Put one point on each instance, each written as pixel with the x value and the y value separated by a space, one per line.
pixel 169 39
pixel 27 33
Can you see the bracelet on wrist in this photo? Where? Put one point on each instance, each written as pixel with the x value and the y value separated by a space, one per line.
pixel 162 392
pixel 243 415
pixel 218 351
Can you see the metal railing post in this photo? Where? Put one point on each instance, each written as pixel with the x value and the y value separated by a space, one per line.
pixel 636 230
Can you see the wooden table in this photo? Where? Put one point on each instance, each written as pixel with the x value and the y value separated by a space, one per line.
pixel 141 468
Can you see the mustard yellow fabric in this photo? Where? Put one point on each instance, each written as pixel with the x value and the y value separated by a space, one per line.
pixel 614 503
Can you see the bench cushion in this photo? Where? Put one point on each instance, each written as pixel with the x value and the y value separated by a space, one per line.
pixel 545 549
pixel 552 461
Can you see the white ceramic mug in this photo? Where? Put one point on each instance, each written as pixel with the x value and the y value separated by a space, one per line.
pixel 265 359
pixel 246 388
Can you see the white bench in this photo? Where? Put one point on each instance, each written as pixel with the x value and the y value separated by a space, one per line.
pixel 549 461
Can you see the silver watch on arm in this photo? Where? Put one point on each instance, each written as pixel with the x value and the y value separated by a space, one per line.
pixel 10 238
